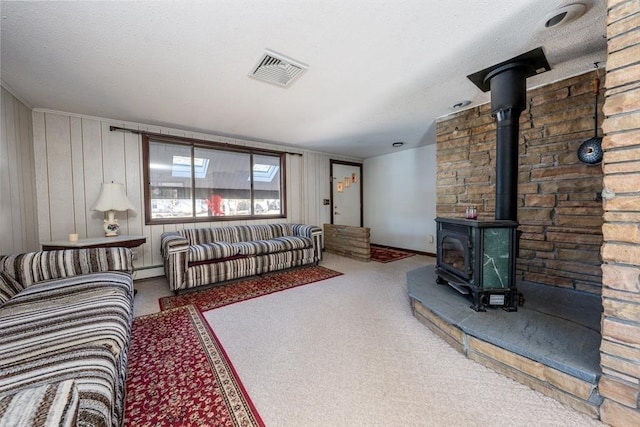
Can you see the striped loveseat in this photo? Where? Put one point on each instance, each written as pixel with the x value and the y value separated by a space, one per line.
pixel 196 257
pixel 65 324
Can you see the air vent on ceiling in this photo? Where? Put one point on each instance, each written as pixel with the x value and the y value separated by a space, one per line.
pixel 277 69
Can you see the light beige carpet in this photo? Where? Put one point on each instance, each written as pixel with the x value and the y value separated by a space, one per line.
pixel 348 352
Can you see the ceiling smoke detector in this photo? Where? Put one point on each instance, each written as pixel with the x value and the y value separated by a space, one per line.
pixel 564 15
pixel 277 69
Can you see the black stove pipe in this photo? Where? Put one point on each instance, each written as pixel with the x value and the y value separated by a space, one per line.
pixel 508 100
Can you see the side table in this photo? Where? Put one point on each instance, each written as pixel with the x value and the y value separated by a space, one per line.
pixel 96 242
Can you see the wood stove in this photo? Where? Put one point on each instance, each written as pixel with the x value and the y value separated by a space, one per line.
pixel 477 258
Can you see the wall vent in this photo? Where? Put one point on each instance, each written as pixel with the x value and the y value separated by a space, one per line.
pixel 277 69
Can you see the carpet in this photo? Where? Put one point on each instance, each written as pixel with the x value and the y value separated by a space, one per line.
pixel 349 352
pixel 380 254
pixel 179 374
pixel 252 287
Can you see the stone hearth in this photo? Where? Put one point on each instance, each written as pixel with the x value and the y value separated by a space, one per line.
pixel 550 344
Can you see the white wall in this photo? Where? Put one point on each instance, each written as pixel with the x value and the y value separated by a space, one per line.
pixel 400 198
pixel 74 154
pixel 18 226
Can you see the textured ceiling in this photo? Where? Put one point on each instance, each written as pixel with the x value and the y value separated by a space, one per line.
pixel 379 71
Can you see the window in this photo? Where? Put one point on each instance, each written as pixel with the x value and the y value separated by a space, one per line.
pixel 191 180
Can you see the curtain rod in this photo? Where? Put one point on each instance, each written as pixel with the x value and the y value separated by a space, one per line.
pixel 164 135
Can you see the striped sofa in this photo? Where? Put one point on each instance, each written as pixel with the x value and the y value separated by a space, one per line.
pixel 196 257
pixel 65 325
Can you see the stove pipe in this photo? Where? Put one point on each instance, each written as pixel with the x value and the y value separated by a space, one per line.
pixel 508 84
pixel 508 100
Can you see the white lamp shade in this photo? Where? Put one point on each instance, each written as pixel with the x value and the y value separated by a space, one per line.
pixel 112 198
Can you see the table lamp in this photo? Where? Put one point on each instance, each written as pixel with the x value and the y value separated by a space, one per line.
pixel 112 198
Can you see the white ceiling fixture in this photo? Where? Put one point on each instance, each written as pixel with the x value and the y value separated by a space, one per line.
pixel 564 15
pixel 460 104
pixel 277 69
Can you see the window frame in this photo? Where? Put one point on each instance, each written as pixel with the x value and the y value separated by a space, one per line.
pixel 214 145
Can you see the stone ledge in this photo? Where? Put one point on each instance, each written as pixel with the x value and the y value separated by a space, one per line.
pixel 550 344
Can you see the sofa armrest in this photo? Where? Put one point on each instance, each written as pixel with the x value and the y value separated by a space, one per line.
pixel 314 233
pixel 34 267
pixel 54 404
pixel 175 253
pixel 317 236
pixel 172 242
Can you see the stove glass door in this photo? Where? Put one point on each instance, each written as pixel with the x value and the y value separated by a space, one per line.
pixel 454 255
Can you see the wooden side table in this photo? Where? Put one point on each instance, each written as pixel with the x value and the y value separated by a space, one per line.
pixel 96 242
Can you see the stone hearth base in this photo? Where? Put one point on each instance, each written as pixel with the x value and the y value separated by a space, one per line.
pixel 550 344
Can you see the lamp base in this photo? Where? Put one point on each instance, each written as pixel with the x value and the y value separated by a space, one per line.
pixel 111 226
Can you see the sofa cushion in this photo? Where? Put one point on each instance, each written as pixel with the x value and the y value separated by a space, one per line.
pixel 8 287
pixel 271 246
pixel 54 404
pixel 209 251
pixel 34 267
pixel 248 233
pixel 199 236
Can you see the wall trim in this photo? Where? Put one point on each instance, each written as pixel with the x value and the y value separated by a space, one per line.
pixel 148 272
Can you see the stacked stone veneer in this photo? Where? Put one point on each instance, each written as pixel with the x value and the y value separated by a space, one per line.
pixel 559 206
pixel 348 241
pixel 620 349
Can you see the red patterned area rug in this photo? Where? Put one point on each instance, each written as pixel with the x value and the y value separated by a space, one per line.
pixel 179 375
pixel 252 287
pixel 380 254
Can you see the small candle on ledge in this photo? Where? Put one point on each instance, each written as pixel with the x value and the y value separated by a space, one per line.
pixel 73 237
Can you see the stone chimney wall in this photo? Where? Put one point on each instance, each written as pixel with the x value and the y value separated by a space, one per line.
pixel 620 348
pixel 559 206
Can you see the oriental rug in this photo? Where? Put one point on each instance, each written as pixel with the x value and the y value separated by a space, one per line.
pixel 179 375
pixel 381 254
pixel 252 287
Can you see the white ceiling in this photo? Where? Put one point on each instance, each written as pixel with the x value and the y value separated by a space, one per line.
pixel 379 71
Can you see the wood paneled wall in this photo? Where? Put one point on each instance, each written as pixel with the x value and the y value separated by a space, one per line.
pixel 18 226
pixel 74 154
